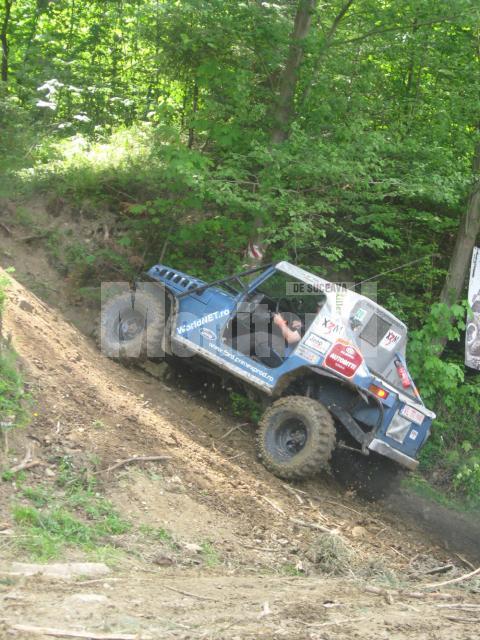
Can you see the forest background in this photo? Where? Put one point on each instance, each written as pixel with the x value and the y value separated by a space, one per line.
pixel 341 135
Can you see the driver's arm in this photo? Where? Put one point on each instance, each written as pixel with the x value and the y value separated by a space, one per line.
pixel 291 336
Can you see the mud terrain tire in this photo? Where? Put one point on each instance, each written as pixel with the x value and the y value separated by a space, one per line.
pixel 132 326
pixel 296 437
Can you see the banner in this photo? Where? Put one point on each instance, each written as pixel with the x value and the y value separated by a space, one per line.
pixel 472 334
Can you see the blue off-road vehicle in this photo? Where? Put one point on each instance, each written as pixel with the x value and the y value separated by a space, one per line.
pixel 327 363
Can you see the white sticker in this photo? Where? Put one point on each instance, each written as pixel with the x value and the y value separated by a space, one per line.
pixel 413 434
pixel 307 354
pixel 317 343
pixel 328 327
pixel 360 314
pixel 390 340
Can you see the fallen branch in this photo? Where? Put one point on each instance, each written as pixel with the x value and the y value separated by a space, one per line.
pixel 66 633
pixel 28 462
pixel 443 569
pixel 467 576
pixel 123 463
pixel 272 504
pixel 314 625
pixel 312 525
pixel 189 594
pixel 465 606
pixel 5 228
pixel 417 595
pixel 293 492
pixel 466 562
pixel 37 236
pixel 462 620
pixel 237 426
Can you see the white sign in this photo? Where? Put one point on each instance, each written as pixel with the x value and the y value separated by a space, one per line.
pixel 472 334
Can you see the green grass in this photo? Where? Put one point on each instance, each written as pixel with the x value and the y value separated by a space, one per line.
pixel 290 569
pixel 210 555
pixel 73 514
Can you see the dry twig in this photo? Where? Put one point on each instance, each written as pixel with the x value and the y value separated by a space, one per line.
pixel 237 426
pixel 313 525
pixel 123 463
pixel 189 594
pixel 272 504
pixel 28 462
pixel 66 633
pixel 467 576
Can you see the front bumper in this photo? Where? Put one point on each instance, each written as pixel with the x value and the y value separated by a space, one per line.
pixel 384 449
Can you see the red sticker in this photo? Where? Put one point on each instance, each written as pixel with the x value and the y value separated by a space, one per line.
pixel 343 358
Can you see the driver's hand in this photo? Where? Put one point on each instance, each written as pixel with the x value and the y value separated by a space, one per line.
pixel 278 320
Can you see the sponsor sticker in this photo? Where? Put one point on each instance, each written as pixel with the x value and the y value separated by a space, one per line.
pixel 413 434
pixel 328 327
pixel 208 333
pixel 307 354
pixel 317 343
pixel 343 358
pixel 360 314
pixel 196 324
pixel 390 340
pixel 412 414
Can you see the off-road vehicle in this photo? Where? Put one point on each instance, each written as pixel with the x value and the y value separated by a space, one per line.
pixel 345 382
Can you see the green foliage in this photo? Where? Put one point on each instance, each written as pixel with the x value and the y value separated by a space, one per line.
pixel 453 450
pixel 243 407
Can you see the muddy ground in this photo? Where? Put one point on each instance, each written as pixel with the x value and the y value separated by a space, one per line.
pixel 250 554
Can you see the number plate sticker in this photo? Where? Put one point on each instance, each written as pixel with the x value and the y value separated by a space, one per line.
pixel 412 414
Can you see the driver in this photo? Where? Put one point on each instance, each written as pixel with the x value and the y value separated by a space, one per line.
pixel 290 335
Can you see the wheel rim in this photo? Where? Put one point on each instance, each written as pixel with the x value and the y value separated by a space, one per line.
pixel 129 325
pixel 290 437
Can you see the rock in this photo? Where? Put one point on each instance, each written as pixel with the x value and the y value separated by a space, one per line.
pixel 86 598
pixel 192 547
pixel 67 571
pixel 49 472
pixel 25 306
pixel 162 560
pixel 359 532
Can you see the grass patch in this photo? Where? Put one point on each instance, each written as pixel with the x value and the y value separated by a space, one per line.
pixel 73 515
pixel 331 555
pixel 210 555
pixel 289 569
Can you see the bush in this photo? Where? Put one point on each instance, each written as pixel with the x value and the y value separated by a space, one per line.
pixel 452 455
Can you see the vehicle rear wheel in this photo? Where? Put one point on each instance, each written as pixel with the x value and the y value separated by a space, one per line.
pixel 296 437
pixel 132 326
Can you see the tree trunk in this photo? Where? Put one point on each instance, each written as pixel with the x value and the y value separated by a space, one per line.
pixel 284 108
pixel 4 39
pixel 466 238
pixel 191 131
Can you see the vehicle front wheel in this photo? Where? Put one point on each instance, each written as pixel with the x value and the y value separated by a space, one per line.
pixel 296 437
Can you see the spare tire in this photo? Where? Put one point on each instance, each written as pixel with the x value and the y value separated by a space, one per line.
pixel 296 437
pixel 132 326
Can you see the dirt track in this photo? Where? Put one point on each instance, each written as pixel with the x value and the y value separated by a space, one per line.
pixel 206 491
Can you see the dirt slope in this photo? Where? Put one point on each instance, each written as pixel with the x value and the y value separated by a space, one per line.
pixel 267 580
